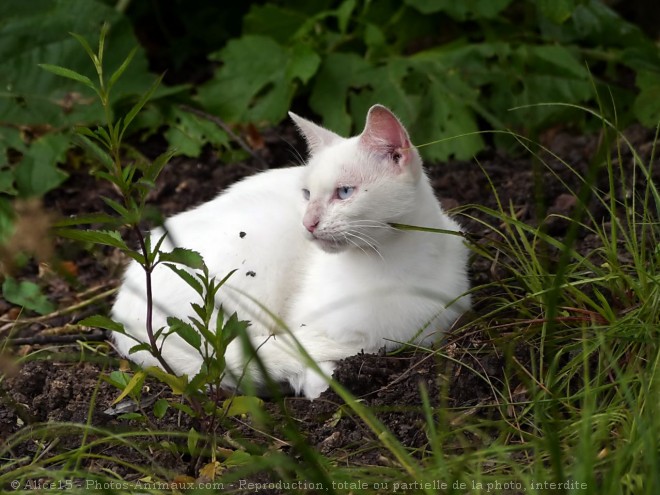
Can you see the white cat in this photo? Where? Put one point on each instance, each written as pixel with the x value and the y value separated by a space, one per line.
pixel 314 245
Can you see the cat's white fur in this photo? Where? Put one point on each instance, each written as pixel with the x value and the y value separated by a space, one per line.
pixel 333 270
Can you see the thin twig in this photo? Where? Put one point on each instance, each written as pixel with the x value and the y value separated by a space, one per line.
pixel 58 339
pixel 220 123
pixel 60 312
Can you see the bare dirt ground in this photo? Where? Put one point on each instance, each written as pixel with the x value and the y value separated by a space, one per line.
pixel 56 384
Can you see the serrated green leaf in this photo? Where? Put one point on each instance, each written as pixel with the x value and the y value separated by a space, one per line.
pixel 27 295
pixel 102 218
pixel 104 237
pixel 160 408
pixel 188 133
pixel 257 80
pixel 153 169
pixel 100 154
pixel 37 173
pixel 339 73
pixel 103 136
pixel 183 256
pixel 99 321
pixel 185 331
pixel 274 21
pixel 119 208
pixel 473 9
pixel 647 104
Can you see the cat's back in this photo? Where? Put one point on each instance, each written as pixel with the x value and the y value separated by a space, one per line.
pixel 252 228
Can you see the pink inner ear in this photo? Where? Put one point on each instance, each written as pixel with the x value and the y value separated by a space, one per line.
pixel 383 133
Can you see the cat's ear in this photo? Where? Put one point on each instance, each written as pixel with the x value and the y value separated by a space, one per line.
pixel 384 134
pixel 316 136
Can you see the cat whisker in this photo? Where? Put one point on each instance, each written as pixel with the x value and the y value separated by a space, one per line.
pixel 372 244
pixel 295 154
pixel 346 237
pixel 364 235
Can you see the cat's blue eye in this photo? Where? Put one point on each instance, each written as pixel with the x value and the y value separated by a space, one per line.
pixel 345 192
pixel 305 194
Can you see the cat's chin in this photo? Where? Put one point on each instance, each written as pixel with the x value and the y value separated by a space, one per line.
pixel 329 246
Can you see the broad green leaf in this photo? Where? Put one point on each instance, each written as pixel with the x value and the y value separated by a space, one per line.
pixel 466 9
pixel 271 20
pixel 446 115
pixel 647 106
pixel 7 182
pixel 188 133
pixel 182 256
pixel 47 78
pixel 185 331
pixel 40 35
pixel 339 73
pixel 558 11
pixel 647 103
pixel 26 294
pixel 257 79
pixel 241 404
pixel 99 321
pixel 117 379
pixel 344 12
pixel 160 408
pixel 37 173
pixel 133 387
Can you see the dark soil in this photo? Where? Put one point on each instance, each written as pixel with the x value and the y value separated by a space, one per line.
pixel 57 385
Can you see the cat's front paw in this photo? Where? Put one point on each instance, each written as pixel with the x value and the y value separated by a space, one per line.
pixel 312 384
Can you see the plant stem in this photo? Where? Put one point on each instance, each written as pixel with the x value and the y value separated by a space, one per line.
pixel 150 303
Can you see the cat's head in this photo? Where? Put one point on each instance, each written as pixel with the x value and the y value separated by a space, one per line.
pixel 354 187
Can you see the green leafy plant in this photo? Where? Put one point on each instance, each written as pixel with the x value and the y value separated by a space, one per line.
pixel 449 69
pixel 209 332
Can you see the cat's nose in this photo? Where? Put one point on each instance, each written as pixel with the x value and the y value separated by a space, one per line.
pixel 311 225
